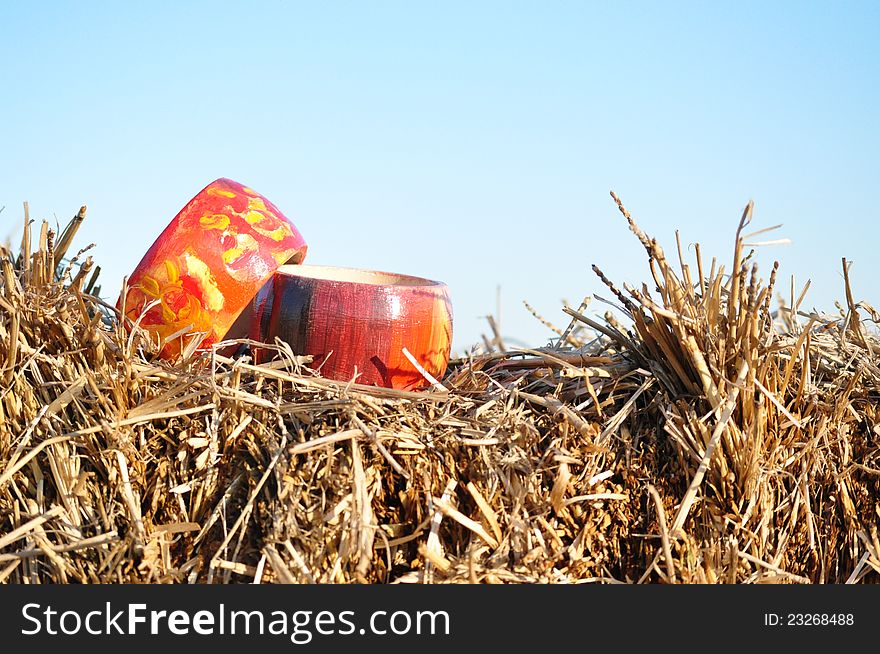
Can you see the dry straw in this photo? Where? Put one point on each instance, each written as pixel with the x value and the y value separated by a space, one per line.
pixel 707 440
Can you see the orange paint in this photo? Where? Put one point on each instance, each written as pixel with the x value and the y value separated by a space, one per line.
pixel 208 264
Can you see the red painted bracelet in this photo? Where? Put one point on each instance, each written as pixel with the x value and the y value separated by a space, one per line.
pixel 358 322
pixel 208 264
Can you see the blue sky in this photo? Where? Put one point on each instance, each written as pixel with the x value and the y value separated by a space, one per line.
pixel 474 143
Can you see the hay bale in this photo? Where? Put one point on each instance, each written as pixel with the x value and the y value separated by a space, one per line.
pixel 710 440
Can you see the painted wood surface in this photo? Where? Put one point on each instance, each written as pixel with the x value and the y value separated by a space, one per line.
pixel 356 321
pixel 209 263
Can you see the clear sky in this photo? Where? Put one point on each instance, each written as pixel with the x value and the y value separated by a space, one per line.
pixel 474 142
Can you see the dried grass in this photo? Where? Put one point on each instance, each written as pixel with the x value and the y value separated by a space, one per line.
pixel 710 441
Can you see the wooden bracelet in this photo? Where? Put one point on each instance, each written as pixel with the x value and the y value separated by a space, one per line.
pixel 358 322
pixel 208 264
